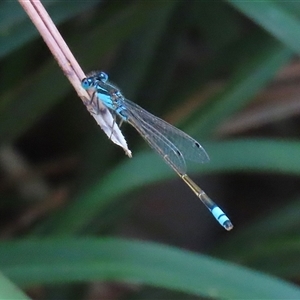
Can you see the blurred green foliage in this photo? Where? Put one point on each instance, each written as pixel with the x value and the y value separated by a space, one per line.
pixel 161 54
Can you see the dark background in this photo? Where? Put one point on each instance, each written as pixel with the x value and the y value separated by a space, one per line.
pixel 225 72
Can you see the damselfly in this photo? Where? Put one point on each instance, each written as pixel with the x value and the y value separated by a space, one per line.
pixel 172 144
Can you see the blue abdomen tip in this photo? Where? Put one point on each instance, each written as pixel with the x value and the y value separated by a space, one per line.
pixel 221 218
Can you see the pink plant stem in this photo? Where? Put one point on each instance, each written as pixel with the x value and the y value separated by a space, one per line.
pixel 71 68
pixel 55 42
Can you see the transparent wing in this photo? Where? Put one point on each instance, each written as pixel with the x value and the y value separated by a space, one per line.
pixel 189 148
pixel 164 147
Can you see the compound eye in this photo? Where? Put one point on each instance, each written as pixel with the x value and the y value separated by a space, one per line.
pixel 103 76
pixel 85 83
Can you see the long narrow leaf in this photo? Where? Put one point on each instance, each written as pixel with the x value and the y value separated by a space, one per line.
pixel 243 155
pixel 245 83
pixel 8 290
pixel 273 16
pixel 67 260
